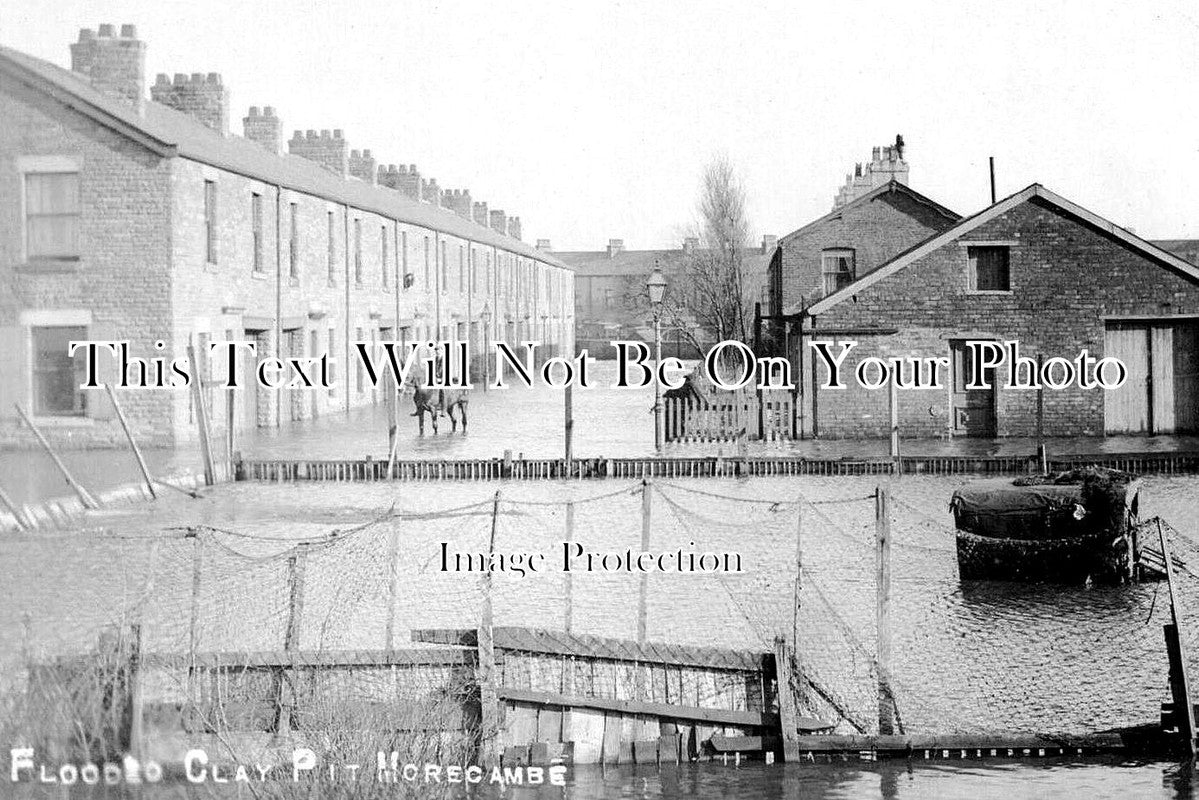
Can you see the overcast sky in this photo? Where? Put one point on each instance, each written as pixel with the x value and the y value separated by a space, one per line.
pixel 594 120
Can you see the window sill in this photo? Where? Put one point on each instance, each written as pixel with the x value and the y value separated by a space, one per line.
pixel 294 282
pixel 258 274
pixel 989 291
pixel 49 266
pixel 64 422
pixel 359 285
pixel 331 284
pixel 211 269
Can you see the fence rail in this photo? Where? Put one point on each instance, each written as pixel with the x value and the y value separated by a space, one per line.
pixel 486 469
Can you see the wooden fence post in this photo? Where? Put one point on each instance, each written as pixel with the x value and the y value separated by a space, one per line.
pixel 193 631
pixel 569 425
pixel 11 507
pixel 568 576
pixel 795 642
pixel 882 524
pixel 394 580
pixel 1180 687
pixel 787 711
pixel 897 464
pixel 201 410
pixel 85 497
pixel 231 432
pixel 646 505
pixel 296 566
pixel 137 697
pixel 488 696
pixel 137 453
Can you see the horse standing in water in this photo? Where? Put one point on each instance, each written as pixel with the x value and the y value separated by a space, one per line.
pixel 435 402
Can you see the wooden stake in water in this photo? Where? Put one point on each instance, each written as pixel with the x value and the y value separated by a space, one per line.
pixel 137 453
pixel 882 525
pixel 201 408
pixel 11 507
pixel 393 586
pixel 488 698
pixel 83 494
pixel 787 711
pixel 646 504
pixel 568 576
pixel 569 425
pixel 1184 709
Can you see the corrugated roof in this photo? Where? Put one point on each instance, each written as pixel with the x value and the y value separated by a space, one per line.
pixel 180 134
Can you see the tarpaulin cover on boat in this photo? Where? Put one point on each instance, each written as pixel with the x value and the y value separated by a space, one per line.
pixel 1001 509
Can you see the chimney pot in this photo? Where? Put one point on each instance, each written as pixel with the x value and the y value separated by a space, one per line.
pixel 269 111
pixel 128 31
pixel 106 30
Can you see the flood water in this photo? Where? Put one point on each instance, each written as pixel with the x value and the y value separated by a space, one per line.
pixel 968 657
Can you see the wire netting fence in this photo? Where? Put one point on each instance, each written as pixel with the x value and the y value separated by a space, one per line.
pixel 338 569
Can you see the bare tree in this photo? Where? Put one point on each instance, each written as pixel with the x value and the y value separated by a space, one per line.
pixel 710 297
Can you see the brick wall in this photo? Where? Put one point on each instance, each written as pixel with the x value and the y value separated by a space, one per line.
pixel 124 255
pixel 877 231
pixel 1065 278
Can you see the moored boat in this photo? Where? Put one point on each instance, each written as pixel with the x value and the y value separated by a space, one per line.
pixel 1063 528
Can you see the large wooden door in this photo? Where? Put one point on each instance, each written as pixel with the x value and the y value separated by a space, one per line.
pixel 1160 394
pixel 972 411
pixel 1126 410
pixel 1186 377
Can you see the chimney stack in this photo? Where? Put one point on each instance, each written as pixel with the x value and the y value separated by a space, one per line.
pixel 769 243
pixel 615 246
pixel 514 227
pixel 499 221
pixel 266 129
pixel 430 192
pixel 690 245
pixel 886 164
pixel 200 96
pixel 361 165
pixel 115 65
pixel 459 202
pixel 544 246
pixel 329 149
pixel 481 215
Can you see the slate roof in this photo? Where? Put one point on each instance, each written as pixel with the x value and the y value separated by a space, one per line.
pixel 905 259
pixel 172 133
pixel 641 262
pixel 890 186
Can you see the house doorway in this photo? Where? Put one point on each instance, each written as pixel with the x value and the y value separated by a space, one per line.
pixel 972 411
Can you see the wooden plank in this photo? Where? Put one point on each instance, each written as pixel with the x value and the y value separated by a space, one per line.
pixel 744 744
pixel 549 725
pixel 610 752
pixel 322 658
pixel 710 716
pixel 904 745
pixel 587 734
pixel 534 640
pixel 522 725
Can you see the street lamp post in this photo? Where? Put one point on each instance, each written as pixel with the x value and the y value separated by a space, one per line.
pixel 656 285
pixel 485 315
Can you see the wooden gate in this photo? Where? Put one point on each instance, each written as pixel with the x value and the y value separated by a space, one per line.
pixel 706 413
